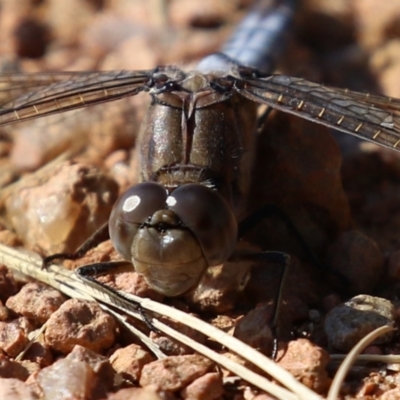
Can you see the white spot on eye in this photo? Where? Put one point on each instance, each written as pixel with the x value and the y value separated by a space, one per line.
pixel 131 203
pixel 167 239
pixel 171 201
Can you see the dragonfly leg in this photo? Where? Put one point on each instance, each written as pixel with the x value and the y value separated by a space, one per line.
pixel 88 272
pixel 283 260
pixel 96 238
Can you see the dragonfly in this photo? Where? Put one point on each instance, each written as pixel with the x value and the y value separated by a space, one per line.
pixel 196 142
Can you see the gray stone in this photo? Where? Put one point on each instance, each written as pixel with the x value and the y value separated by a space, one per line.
pixel 348 323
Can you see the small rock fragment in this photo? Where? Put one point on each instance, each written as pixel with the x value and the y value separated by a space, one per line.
pixel 39 353
pixel 175 372
pixel 129 361
pixel 241 361
pixel 130 282
pixel 14 389
pixel 207 387
pixel 348 323
pixel 67 379
pixel 32 368
pixel 9 238
pixel 255 330
pixel 393 394
pixel 99 364
pixel 223 322
pixel 173 347
pixel 36 301
pixel 12 369
pixel 146 393
pixel 307 362
pixel 82 323
pixel 58 214
pixel 220 286
pixel 24 323
pixel 3 312
pixel 103 252
pixel 13 339
pixel 8 286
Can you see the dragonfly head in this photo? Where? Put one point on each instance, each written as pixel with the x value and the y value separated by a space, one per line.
pixel 171 239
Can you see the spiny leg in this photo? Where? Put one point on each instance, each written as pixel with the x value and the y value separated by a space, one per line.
pixel 87 273
pixel 283 260
pixel 95 239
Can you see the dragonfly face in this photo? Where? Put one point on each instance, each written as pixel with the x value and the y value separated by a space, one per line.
pixel 172 239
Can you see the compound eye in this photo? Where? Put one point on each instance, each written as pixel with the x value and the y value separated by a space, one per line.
pixel 209 217
pixel 140 202
pixel 133 208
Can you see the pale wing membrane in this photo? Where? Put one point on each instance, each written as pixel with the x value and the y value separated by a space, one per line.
pixel 375 118
pixel 77 90
pixel 388 103
pixel 372 117
pixel 15 85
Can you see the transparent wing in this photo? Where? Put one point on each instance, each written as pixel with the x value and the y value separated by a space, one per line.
pixel 371 117
pixel 389 103
pixel 13 85
pixel 27 96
